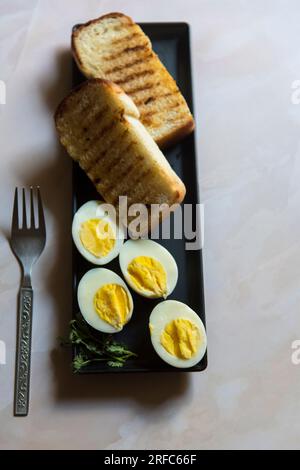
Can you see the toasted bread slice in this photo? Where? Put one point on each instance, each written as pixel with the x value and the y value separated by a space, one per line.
pixel 99 126
pixel 113 47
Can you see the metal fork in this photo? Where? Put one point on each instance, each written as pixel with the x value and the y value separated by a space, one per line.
pixel 27 243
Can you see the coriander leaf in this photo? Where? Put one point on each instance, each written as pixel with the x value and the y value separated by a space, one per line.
pixel 93 347
pixel 115 364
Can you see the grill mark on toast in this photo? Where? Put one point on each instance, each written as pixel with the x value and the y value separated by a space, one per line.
pixel 108 165
pixel 146 115
pixel 173 120
pixel 106 129
pixel 109 147
pixel 179 116
pixel 94 117
pixel 124 173
pixel 134 76
pixel 149 100
pixel 158 98
pixel 99 135
pixel 122 26
pixel 93 163
pixel 125 38
pixel 127 50
pixel 150 113
pixel 141 88
pixel 134 182
pixel 148 122
pixel 129 168
pixel 101 113
pixel 174 105
pixel 117 159
pixel 139 47
pixel 118 68
pixel 92 135
pixel 77 109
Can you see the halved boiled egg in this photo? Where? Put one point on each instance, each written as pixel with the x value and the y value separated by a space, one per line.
pixel 177 334
pixel 104 300
pixel 148 268
pixel 96 235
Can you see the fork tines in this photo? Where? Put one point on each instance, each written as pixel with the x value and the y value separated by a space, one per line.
pixel 35 223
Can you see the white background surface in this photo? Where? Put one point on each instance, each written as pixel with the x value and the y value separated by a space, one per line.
pixel 245 59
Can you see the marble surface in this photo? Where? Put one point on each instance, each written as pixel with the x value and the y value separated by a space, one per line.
pixel 245 60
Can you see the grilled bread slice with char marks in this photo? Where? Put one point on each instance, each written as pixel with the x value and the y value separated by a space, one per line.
pixel 113 47
pixel 99 126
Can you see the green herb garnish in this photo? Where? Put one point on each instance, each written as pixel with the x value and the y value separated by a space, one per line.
pixel 92 348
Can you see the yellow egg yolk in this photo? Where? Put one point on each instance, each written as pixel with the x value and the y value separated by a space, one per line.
pixel 112 304
pixel 148 274
pixel 181 338
pixel 97 237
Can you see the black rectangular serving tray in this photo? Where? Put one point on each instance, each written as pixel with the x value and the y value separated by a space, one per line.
pixel 171 41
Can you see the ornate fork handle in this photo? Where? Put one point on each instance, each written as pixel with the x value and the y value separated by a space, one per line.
pixel 23 356
pixel 27 242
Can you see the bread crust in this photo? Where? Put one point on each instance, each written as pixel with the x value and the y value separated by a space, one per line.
pixel 164 128
pixel 177 135
pixel 76 32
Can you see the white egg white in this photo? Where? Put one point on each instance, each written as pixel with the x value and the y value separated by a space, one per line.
pixel 96 210
pixel 134 248
pixel 164 313
pixel 87 288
